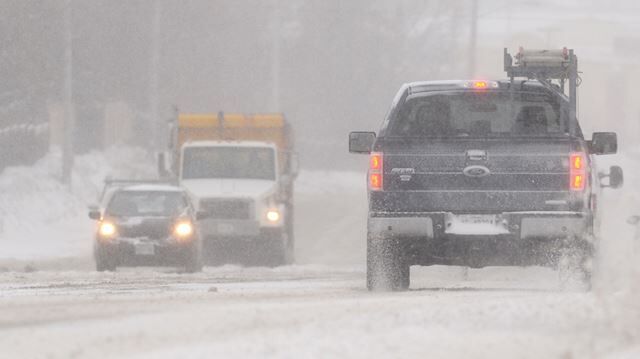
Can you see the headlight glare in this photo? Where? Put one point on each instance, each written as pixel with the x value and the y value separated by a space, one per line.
pixel 107 229
pixel 273 215
pixel 183 229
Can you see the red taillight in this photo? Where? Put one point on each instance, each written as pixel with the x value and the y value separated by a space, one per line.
pixel 577 182
pixel 375 181
pixel 376 161
pixel 577 172
pixel 577 161
pixel 375 171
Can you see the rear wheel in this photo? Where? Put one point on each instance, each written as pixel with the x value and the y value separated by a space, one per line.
pixel 575 263
pixel 387 268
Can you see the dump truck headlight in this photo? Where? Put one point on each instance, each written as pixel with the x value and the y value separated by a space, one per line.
pixel 273 215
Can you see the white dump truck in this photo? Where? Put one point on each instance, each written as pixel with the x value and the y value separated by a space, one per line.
pixel 239 169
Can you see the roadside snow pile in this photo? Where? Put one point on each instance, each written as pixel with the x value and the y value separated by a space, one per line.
pixel 617 285
pixel 41 218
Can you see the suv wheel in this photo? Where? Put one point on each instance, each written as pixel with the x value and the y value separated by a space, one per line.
pixel 387 269
pixel 104 262
pixel 193 260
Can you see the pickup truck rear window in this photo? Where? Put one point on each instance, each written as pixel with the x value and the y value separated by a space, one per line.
pixel 478 114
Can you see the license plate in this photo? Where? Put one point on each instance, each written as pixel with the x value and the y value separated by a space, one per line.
pixel 226 228
pixel 474 224
pixel 476 219
pixel 145 249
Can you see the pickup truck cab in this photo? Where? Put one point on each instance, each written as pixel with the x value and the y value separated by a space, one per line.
pixel 480 173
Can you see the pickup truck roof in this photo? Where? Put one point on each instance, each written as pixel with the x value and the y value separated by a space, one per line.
pixel 427 86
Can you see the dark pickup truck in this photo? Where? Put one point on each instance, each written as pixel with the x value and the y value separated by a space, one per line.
pixel 480 173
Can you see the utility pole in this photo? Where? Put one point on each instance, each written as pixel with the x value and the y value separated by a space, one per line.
pixel 157 124
pixel 275 56
pixel 69 118
pixel 473 35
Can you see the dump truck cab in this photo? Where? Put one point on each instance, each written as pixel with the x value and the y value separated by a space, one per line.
pixel 239 169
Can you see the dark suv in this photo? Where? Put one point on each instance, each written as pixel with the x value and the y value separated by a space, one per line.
pixel 480 173
pixel 146 225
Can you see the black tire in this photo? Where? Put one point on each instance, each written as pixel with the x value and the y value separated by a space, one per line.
pixel 193 260
pixel 104 262
pixel 290 239
pixel 387 268
pixel 276 253
pixel 586 271
pixel 576 262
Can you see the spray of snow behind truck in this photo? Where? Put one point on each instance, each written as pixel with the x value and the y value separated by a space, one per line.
pixel 239 170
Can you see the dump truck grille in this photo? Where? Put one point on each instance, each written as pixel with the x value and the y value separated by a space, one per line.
pixel 227 208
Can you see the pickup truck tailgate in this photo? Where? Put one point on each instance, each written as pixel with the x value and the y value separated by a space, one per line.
pixel 487 175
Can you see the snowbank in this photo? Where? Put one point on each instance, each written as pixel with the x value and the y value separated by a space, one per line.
pixel 617 286
pixel 42 218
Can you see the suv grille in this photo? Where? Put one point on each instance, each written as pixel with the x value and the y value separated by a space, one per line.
pixel 227 208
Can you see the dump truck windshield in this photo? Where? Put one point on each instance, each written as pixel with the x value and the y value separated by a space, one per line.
pixel 479 114
pixel 229 162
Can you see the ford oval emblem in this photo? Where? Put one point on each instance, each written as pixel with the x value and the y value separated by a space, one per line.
pixel 476 171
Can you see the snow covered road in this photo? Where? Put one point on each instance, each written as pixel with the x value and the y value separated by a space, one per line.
pixel 54 305
pixel 300 311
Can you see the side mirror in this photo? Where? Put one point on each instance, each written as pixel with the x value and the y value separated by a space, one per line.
pixel 294 164
pixel 615 176
pixel 285 186
pixel 95 215
pixel 163 171
pixel 603 143
pixel 286 180
pixel 361 142
pixel 200 215
pixel 633 220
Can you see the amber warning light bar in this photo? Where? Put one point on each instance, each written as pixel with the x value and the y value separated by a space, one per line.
pixel 480 85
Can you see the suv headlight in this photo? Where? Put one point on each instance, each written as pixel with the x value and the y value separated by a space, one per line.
pixel 107 230
pixel 183 229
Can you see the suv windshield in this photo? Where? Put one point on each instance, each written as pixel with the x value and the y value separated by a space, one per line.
pixel 229 162
pixel 477 114
pixel 146 203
